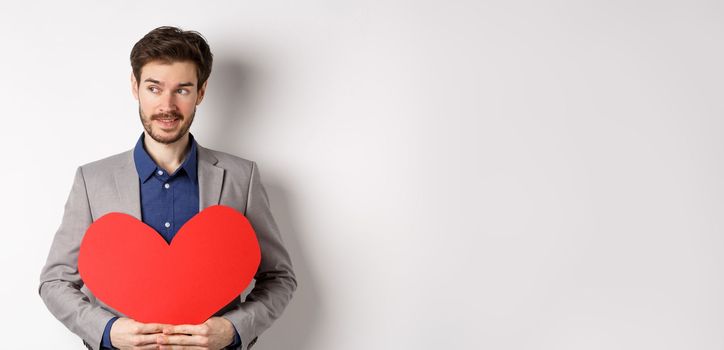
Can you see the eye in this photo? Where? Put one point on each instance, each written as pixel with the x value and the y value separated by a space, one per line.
pixel 153 89
pixel 182 91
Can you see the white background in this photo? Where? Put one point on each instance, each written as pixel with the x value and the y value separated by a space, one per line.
pixel 447 174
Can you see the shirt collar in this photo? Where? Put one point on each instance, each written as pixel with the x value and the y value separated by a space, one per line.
pixel 145 166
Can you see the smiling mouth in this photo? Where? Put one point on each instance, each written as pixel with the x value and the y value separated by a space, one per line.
pixel 167 122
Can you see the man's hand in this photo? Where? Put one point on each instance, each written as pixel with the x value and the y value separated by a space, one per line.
pixel 129 334
pixel 214 334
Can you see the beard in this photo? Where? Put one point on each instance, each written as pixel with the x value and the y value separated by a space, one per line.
pixel 159 136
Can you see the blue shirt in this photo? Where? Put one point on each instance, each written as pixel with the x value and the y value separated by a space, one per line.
pixel 167 201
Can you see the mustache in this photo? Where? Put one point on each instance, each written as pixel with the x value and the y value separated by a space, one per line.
pixel 167 115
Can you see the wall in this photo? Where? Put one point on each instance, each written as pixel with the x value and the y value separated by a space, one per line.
pixel 447 174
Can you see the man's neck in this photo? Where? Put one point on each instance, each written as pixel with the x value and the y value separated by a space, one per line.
pixel 167 156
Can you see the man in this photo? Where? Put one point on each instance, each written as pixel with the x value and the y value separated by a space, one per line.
pixel 164 181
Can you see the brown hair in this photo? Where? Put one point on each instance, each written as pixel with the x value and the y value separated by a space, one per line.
pixel 171 44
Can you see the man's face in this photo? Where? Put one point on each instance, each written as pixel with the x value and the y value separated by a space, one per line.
pixel 167 99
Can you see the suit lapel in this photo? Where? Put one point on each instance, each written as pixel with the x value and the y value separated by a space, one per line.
pixel 211 178
pixel 128 188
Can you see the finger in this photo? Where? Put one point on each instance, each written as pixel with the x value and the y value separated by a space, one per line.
pixel 147 347
pixel 181 347
pixel 197 340
pixel 148 328
pixel 144 339
pixel 191 329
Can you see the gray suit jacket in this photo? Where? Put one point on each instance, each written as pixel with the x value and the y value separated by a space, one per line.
pixel 112 185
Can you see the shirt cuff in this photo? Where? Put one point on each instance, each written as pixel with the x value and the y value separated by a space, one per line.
pixel 237 339
pixel 106 340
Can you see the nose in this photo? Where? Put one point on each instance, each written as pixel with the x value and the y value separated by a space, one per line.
pixel 168 102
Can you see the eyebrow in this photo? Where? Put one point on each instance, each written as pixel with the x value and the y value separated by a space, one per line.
pixel 154 81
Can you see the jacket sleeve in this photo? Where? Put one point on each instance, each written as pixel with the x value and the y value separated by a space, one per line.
pixel 60 282
pixel 275 279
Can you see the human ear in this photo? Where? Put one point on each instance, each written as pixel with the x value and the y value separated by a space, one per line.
pixel 201 93
pixel 134 86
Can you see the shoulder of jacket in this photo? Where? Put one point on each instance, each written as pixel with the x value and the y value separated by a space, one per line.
pixel 230 161
pixel 108 164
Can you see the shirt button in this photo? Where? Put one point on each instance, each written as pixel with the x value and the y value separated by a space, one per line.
pixel 167 224
pixel 166 186
pixel 160 172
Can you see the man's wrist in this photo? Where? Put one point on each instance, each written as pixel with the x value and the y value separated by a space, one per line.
pixel 106 339
pixel 236 341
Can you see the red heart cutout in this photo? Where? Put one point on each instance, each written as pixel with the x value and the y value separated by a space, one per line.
pixel 130 267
